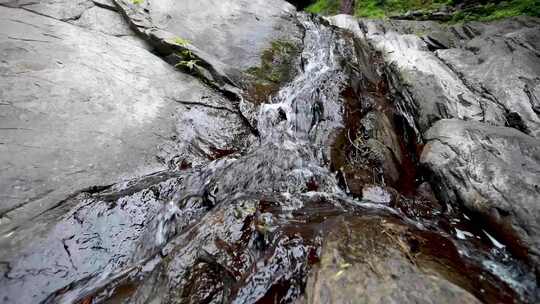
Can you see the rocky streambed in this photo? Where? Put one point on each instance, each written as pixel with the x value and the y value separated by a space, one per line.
pixel 243 152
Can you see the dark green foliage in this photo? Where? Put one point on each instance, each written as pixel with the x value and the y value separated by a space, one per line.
pixel 503 9
pixel 482 10
pixel 377 8
pixel 325 7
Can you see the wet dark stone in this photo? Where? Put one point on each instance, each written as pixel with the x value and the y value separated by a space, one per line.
pixel 513 120
pixel 378 257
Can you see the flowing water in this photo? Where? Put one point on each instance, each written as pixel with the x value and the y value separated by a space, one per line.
pixel 249 226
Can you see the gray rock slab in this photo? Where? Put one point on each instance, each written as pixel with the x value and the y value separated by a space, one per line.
pixel 235 32
pixel 492 171
pixel 483 72
pixel 225 37
pixel 503 60
pixel 104 20
pixel 98 15
pixel 78 108
pixel 363 260
pixel 61 10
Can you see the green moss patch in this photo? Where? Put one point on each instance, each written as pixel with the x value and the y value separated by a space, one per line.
pixel 276 69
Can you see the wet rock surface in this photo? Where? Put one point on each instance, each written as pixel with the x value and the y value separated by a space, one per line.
pixel 250 154
pixel 373 259
pixel 217 51
pixel 79 109
pixel 475 71
pixel 492 132
pixel 492 171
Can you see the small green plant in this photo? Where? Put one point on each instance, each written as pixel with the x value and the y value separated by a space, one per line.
pixel 189 64
pixel 179 41
pixel 137 2
pixel 187 59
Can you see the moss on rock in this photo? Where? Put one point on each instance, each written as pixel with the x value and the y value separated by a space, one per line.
pixel 276 68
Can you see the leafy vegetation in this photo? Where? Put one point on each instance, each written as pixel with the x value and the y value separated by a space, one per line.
pixel 187 61
pixel 188 64
pixel 179 41
pixel 377 8
pixel 324 7
pixel 492 10
pixel 137 2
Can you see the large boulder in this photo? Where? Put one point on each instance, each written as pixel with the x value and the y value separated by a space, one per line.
pixel 372 259
pixel 235 32
pixel 492 171
pixel 502 60
pixel 224 38
pixel 86 237
pixel 80 109
pixel 474 71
